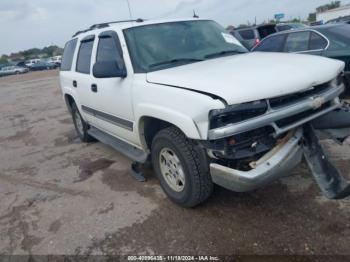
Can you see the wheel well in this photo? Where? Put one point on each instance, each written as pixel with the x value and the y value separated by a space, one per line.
pixel 69 101
pixel 150 126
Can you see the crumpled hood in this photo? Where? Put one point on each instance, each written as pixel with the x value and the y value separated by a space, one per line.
pixel 251 76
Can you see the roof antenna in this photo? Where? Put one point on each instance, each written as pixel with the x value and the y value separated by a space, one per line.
pixel 195 15
pixel 129 7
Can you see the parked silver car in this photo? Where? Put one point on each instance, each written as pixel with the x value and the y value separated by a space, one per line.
pixel 13 70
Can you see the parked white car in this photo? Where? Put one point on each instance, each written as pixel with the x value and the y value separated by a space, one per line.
pixel 13 70
pixel 187 96
pixel 32 62
pixel 56 60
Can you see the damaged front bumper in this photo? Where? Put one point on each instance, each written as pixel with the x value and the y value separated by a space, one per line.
pixel 303 142
pixel 284 157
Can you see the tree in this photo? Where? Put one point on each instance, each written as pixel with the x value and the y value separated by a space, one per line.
pixel 3 59
pixel 312 18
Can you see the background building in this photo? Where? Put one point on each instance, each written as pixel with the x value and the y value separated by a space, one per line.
pixel 328 15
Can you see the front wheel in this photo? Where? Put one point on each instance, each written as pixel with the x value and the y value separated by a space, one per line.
pixel 182 168
pixel 80 125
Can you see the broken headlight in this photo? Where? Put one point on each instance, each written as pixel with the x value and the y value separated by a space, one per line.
pixel 236 113
pixel 339 80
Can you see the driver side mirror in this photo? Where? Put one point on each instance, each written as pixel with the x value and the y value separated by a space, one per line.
pixel 108 69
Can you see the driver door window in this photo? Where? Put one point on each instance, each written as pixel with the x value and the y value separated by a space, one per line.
pixel 108 51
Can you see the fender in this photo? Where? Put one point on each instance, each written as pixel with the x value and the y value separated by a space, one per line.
pixel 182 121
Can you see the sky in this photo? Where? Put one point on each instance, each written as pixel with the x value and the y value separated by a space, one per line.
pixel 37 23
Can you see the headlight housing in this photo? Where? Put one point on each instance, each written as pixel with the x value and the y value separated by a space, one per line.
pixel 340 79
pixel 236 113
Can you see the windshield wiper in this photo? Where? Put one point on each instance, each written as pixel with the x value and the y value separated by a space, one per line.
pixel 176 60
pixel 224 52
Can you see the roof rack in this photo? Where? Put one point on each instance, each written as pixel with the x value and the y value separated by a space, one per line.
pixel 106 24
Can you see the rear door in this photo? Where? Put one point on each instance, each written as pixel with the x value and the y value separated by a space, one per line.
pixel 82 79
pixel 305 42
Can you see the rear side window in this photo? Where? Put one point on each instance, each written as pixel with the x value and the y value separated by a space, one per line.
pixel 317 42
pixel 265 31
pixel 297 42
pixel 84 57
pixel 68 54
pixel 247 34
pixel 272 44
pixel 284 27
pixel 108 51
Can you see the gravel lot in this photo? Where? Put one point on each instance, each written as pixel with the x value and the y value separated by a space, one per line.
pixel 59 196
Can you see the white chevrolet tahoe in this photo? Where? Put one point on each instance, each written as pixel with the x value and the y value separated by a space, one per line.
pixel 187 97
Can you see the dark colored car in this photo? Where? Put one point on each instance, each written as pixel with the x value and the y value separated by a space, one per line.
pixel 22 64
pixel 43 66
pixel 251 36
pixel 331 41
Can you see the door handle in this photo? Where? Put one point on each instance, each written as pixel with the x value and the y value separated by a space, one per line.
pixel 94 88
pixel 75 84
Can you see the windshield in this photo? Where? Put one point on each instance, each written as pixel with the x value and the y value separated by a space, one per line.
pixel 159 46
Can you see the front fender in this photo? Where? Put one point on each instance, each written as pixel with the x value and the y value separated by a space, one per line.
pixel 182 121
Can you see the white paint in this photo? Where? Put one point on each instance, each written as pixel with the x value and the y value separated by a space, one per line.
pixel 161 94
pixel 333 14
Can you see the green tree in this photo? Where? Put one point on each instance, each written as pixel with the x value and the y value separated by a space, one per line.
pixel 312 17
pixel 3 59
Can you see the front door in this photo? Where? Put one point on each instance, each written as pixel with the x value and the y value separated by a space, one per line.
pixel 113 96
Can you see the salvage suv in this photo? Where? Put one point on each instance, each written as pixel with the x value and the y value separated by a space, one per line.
pixel 187 97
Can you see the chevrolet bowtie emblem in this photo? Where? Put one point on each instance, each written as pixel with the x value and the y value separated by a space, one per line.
pixel 317 102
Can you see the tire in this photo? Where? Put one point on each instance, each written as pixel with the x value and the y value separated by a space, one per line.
pixel 81 127
pixel 192 164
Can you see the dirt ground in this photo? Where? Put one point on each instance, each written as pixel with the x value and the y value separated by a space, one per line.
pixel 59 196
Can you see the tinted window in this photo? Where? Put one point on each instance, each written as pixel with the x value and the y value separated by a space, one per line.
pixel 84 57
pixel 284 27
pixel 297 42
pixel 271 44
pixel 247 34
pixel 68 53
pixel 265 31
pixel 107 51
pixel 317 42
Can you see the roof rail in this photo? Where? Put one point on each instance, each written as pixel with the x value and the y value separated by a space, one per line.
pixel 106 24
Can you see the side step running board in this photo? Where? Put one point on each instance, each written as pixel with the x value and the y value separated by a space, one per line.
pixel 130 151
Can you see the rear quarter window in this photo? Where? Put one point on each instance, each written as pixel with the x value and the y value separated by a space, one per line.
pixel 247 34
pixel 68 53
pixel 267 30
pixel 317 42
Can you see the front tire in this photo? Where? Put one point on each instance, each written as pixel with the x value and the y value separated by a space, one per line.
pixel 182 168
pixel 80 125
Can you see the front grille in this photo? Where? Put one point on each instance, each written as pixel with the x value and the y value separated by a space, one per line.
pixel 294 98
pixel 295 118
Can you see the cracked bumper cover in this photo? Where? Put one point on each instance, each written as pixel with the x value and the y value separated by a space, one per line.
pixel 283 158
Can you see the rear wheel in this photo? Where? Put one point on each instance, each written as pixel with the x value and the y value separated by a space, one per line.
pixel 80 125
pixel 181 167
